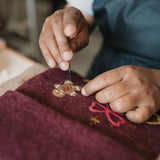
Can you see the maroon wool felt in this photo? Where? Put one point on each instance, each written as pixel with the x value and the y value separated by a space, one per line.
pixel 137 137
pixel 31 131
pixel 128 141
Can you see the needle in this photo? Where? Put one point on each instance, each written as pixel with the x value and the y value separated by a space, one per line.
pixel 69 71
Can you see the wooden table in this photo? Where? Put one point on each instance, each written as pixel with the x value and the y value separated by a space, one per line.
pixel 15 68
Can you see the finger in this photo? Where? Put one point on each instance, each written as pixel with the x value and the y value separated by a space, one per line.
pixel 73 22
pixel 113 92
pixel 80 41
pixel 46 53
pixel 61 39
pixel 52 46
pixel 140 114
pixel 104 80
pixel 124 104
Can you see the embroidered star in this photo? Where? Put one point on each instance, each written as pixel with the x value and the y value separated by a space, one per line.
pixel 65 89
pixel 94 120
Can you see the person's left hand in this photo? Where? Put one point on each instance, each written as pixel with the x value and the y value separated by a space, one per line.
pixel 129 89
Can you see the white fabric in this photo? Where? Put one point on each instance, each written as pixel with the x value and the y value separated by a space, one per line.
pixel 85 6
pixel 11 65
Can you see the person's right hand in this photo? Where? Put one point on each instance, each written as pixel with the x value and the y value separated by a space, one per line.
pixel 63 32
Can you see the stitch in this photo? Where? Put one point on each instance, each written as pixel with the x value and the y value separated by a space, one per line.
pixel 77 87
pixel 67 81
pixel 107 112
pixel 57 85
pixel 154 120
pixel 61 93
pixel 73 93
pixel 94 120
pixel 66 88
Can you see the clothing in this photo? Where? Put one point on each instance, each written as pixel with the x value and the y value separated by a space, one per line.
pixel 36 125
pixel 84 6
pixel 131 31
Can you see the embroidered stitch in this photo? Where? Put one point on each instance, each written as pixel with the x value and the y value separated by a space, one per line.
pixel 155 119
pixel 94 120
pixel 108 112
pixel 66 88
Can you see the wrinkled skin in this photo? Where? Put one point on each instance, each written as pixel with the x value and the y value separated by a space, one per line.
pixel 132 90
pixel 63 32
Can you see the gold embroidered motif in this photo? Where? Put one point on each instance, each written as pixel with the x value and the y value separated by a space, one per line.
pixel 154 120
pixel 66 88
pixel 94 120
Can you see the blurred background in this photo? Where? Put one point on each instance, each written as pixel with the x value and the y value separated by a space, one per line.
pixel 20 25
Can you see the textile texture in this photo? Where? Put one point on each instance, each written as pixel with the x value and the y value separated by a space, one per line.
pixel 35 124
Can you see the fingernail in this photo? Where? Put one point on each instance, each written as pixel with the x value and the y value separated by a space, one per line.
pixel 67 55
pixel 83 92
pixel 51 63
pixel 64 65
pixel 70 30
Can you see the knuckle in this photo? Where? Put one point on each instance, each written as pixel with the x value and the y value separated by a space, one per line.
pixel 147 93
pixel 139 82
pixel 100 98
pixel 103 78
pixel 129 69
pixel 56 20
pixel 58 13
pixel 73 11
pixel 116 106
pixel 56 16
pixel 64 45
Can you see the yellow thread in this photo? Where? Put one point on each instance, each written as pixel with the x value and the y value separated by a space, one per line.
pixel 68 88
pixel 94 120
pixel 155 119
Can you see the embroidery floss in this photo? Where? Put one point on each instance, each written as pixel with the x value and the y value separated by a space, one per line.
pixel 65 89
pixel 107 112
pixel 155 120
pixel 94 120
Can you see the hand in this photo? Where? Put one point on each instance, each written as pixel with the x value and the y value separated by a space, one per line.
pixel 132 90
pixel 63 32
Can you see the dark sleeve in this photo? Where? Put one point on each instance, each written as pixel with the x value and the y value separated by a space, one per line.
pixel 130 25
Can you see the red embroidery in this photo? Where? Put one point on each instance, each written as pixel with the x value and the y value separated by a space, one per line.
pixel 108 111
pixel 68 88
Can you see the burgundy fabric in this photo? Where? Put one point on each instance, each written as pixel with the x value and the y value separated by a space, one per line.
pixel 34 124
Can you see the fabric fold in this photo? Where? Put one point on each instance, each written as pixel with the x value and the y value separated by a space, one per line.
pixel 29 130
pixel 136 137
